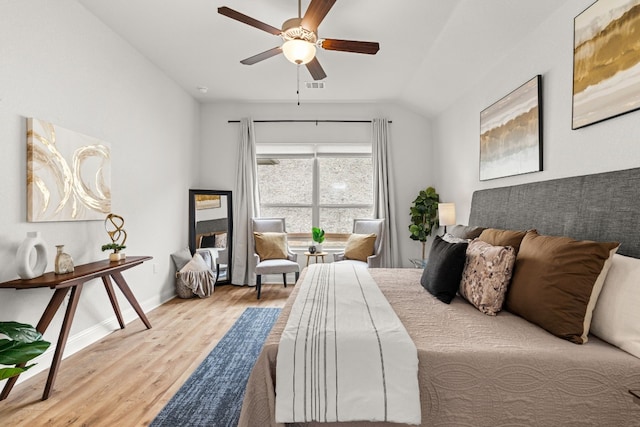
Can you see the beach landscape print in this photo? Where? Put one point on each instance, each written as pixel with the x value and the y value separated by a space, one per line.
pixel 511 133
pixel 606 61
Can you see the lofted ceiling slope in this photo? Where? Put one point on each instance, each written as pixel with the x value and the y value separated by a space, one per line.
pixel 431 51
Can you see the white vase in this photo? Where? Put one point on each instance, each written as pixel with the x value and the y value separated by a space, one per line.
pixel 23 256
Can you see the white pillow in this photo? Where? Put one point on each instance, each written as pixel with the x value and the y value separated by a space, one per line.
pixel 616 318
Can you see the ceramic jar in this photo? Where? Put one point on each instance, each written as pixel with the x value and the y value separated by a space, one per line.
pixel 23 256
pixel 63 262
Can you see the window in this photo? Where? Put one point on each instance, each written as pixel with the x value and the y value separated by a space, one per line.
pixel 325 185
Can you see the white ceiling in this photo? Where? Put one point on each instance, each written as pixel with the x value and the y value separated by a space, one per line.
pixel 431 51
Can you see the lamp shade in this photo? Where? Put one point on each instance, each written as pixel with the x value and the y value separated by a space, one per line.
pixel 299 51
pixel 447 213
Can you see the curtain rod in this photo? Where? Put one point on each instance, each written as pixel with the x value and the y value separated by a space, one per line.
pixel 306 121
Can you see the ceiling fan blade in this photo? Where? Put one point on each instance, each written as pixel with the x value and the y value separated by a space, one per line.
pixel 370 48
pixel 315 69
pixel 262 56
pixel 248 20
pixel 315 13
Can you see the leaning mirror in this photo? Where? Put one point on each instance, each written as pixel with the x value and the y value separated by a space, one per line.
pixel 211 229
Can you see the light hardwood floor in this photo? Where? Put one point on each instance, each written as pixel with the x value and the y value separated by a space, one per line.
pixel 126 378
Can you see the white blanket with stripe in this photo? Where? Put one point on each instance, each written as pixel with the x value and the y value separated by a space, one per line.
pixel 344 354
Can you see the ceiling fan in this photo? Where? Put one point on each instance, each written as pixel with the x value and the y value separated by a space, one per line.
pixel 300 37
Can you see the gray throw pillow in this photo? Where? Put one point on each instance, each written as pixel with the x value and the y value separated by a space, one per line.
pixel 181 258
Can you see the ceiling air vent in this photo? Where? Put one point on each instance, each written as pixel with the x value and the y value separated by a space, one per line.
pixel 314 85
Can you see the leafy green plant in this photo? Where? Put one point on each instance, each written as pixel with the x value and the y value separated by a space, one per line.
pixel 317 234
pixel 24 343
pixel 424 216
pixel 115 246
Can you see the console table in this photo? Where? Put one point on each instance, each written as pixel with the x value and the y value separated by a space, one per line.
pixel 62 283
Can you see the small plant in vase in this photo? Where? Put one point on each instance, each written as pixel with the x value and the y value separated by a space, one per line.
pixel 317 234
pixel 116 255
pixel 115 235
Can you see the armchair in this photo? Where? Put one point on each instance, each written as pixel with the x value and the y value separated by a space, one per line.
pixel 367 226
pixel 272 266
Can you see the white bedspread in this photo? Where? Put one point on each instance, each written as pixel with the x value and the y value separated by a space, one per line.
pixel 344 354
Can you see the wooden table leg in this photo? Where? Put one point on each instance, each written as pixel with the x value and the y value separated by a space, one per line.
pixel 62 339
pixel 122 284
pixel 43 324
pixel 114 301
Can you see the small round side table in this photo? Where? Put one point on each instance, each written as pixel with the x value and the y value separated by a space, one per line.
pixel 316 254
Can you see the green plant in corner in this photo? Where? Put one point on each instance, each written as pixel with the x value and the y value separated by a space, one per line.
pixel 424 216
pixel 317 234
pixel 22 344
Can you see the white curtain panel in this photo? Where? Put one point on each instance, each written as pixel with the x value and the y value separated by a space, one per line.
pixel 383 200
pixel 246 205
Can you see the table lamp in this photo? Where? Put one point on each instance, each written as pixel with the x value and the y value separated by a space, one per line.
pixel 446 214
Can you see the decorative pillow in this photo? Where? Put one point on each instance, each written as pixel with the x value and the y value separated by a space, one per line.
pixel 270 245
pixel 467 231
pixel 556 283
pixel 221 241
pixel 616 318
pixel 497 237
pixel 441 276
pixel 360 246
pixel 486 275
pixel 448 237
pixel 208 241
pixel 181 258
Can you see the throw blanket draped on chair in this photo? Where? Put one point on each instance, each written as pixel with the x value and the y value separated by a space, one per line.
pixel 344 354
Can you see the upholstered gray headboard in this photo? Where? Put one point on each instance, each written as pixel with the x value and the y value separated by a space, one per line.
pixel 601 207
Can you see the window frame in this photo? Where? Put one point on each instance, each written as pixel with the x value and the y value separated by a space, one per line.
pixel 296 239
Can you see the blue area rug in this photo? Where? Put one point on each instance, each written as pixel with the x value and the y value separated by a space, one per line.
pixel 212 396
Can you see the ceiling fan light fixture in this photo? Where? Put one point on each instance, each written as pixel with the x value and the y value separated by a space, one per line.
pixel 299 51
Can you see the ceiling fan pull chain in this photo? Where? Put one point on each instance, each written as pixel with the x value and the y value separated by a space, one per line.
pixel 298 82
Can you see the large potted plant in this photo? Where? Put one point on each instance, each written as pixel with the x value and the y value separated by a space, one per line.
pixel 22 344
pixel 424 216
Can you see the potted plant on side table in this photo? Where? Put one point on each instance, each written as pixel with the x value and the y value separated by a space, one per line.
pixel 116 255
pixel 317 234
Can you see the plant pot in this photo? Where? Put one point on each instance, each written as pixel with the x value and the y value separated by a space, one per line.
pixel 117 256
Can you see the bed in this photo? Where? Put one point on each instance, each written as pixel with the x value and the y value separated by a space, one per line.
pixel 479 370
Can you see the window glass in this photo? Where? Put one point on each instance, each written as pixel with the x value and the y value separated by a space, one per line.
pixel 340 220
pixel 286 181
pixel 345 180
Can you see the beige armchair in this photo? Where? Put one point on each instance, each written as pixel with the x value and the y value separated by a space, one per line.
pixel 367 226
pixel 272 266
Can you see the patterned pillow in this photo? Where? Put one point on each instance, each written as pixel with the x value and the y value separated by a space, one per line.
pixel 486 275
pixel 220 241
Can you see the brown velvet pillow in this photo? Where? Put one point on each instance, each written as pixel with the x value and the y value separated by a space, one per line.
pixel 497 237
pixel 360 246
pixel 556 283
pixel 271 245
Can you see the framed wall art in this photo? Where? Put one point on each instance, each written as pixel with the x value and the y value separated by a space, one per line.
pixel 511 133
pixel 68 174
pixel 606 61
pixel 207 201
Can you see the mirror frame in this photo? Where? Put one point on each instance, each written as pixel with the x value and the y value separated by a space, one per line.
pixel 192 225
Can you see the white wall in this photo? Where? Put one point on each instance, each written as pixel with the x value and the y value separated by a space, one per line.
pixel 61 64
pixel 606 146
pixel 409 136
